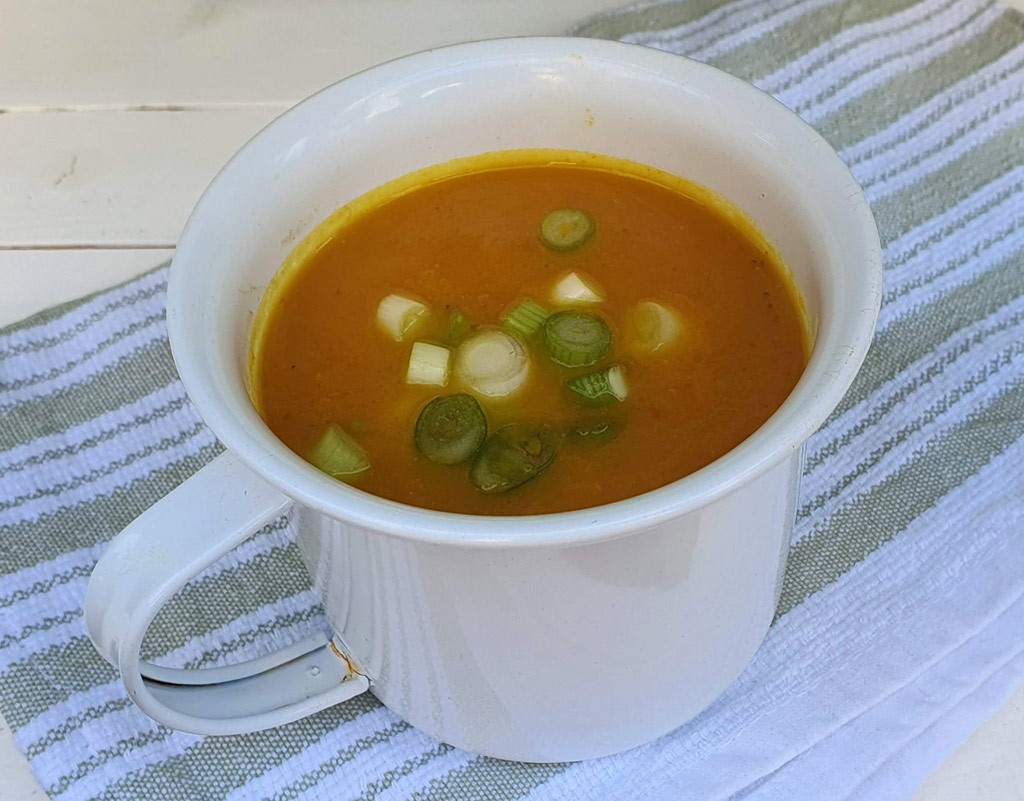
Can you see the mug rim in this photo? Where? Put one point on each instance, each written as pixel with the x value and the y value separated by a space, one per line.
pixel 768 445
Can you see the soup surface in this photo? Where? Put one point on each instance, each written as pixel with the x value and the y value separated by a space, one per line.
pixel 662 330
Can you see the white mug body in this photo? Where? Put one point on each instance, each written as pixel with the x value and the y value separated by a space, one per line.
pixel 553 654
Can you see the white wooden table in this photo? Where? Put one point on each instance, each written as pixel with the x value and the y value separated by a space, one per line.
pixel 115 115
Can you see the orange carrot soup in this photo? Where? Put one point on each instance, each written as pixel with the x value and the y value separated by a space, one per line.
pixel 526 332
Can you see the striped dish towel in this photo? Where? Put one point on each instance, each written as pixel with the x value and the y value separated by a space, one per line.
pixel 901 622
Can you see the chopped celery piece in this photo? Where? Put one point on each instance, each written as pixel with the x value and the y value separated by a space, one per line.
pixel 601 387
pixel 401 317
pixel 575 289
pixel 654 325
pixel 575 339
pixel 338 455
pixel 525 318
pixel 492 363
pixel 428 364
pixel 458 326
pixel 566 229
pixel 589 433
pixel 450 429
pixel 512 456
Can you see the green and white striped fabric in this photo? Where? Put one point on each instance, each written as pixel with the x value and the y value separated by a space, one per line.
pixel 901 622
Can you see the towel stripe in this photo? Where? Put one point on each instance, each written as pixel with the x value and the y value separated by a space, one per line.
pixel 100 432
pixel 876 517
pixel 127 382
pixel 837 50
pixel 72 319
pixel 951 375
pixel 85 523
pixel 215 766
pixel 811 33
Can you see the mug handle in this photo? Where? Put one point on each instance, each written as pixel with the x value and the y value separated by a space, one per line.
pixel 216 509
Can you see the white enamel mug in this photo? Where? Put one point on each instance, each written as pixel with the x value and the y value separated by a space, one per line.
pixel 539 638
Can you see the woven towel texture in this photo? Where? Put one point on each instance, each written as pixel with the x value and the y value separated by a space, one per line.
pixel 901 620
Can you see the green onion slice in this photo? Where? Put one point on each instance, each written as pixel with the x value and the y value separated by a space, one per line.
pixel 654 326
pixel 603 386
pixel 525 318
pixel 576 339
pixel 566 229
pixel 401 317
pixel 450 429
pixel 512 456
pixel 492 362
pixel 428 364
pixel 338 455
pixel 458 326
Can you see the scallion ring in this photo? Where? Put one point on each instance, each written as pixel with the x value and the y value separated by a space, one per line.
pixel 450 429
pixel 567 229
pixel 512 456
pixel 603 386
pixel 576 339
pixel 338 454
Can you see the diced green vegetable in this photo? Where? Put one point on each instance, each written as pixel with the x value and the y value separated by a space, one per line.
pixel 590 433
pixel 576 339
pixel 603 386
pixel 576 290
pixel 654 326
pixel 401 317
pixel 512 456
pixel 492 362
pixel 428 364
pixel 567 229
pixel 525 318
pixel 450 429
pixel 458 326
pixel 338 455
